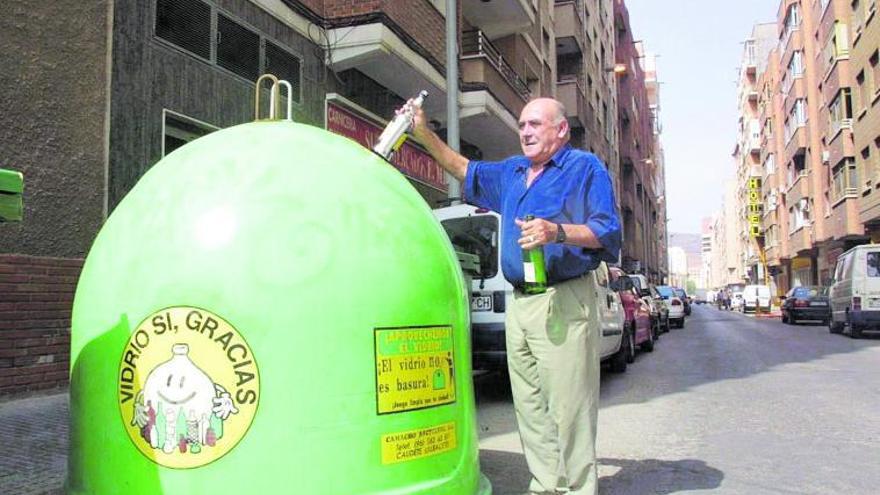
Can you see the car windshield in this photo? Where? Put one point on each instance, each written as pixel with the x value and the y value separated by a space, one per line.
pixel 807 292
pixel 665 292
pixel 476 235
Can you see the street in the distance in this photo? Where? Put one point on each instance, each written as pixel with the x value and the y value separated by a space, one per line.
pixel 730 404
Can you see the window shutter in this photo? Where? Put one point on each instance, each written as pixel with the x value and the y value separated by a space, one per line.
pixel 186 24
pixel 285 66
pixel 238 48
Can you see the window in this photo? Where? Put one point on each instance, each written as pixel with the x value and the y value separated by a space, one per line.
pixel 185 24
pixel 797 117
pixel 770 164
pixel 844 179
pixel 861 97
pixel 238 48
pixel 796 65
pixel 875 73
pixel 873 263
pixel 837 46
pixel 840 112
pixel 241 50
pixel 867 168
pixel 179 129
pixel 476 235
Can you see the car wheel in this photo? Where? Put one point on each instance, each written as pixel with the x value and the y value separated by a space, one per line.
pixel 630 345
pixel 648 345
pixel 681 323
pixel 784 318
pixel 666 327
pixel 855 332
pixel 618 360
pixel 834 327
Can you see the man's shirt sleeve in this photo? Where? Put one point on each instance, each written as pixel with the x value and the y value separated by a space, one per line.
pixel 482 184
pixel 602 216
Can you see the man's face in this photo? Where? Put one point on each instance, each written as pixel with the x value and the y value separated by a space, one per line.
pixel 539 137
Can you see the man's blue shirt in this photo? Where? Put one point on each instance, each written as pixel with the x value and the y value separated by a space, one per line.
pixel 574 188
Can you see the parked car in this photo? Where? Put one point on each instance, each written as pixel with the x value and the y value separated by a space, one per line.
pixel 855 292
pixel 806 303
pixel 756 298
pixel 659 311
pixel 638 313
pixel 701 296
pixel 617 343
pixel 673 303
pixel 478 231
pixel 685 299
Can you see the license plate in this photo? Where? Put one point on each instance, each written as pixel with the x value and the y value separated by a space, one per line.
pixel 481 303
pixel 818 303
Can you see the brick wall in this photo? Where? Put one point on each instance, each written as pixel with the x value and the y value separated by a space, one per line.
pixel 36 296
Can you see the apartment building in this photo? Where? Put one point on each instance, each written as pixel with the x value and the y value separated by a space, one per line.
pixel 865 67
pixel 637 179
pixel 817 135
pixel 652 85
pixel 747 153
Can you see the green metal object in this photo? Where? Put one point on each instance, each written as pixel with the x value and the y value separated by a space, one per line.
pixel 272 309
pixel 11 189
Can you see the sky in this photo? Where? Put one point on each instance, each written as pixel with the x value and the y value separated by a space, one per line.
pixel 699 44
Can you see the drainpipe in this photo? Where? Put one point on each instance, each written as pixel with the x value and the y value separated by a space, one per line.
pixel 452 135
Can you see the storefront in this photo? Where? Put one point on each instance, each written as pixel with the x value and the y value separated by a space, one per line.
pixel 348 119
pixel 801 271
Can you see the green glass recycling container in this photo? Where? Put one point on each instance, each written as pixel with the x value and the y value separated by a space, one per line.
pixel 272 309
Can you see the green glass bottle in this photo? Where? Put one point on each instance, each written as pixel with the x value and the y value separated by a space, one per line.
pixel 535 274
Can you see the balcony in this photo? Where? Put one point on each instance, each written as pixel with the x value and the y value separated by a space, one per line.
pixel 493 95
pixel 571 94
pixel 378 52
pixel 569 27
pixel 797 142
pixel 483 65
pixel 751 61
pixel 498 18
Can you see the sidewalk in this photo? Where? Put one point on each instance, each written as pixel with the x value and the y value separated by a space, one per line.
pixel 33 445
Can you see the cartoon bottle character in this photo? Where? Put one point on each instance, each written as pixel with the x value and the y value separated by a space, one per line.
pixel 181 390
pixel 179 384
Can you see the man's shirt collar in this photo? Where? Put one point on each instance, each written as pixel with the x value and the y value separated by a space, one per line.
pixel 558 159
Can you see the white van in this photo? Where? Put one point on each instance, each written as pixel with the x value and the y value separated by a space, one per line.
pixel 478 231
pixel 855 292
pixel 756 298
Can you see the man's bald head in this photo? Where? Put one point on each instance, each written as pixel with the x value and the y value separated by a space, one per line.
pixel 543 129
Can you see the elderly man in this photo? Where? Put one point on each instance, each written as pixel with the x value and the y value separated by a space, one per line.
pixel 552 337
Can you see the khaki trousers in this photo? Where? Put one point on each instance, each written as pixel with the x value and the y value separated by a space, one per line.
pixel 553 359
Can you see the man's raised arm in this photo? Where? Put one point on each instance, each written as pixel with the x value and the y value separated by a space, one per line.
pixel 449 159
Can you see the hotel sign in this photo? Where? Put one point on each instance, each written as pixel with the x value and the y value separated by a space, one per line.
pixel 754 208
pixel 412 160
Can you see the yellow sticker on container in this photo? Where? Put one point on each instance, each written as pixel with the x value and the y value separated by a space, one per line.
pixel 415 368
pixel 188 387
pixel 415 444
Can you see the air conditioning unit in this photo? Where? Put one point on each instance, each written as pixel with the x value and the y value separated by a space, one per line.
pixel 826 156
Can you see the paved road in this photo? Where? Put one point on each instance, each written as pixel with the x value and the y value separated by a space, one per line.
pixel 729 404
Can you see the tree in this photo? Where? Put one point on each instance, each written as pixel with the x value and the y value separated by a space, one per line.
pixel 691 287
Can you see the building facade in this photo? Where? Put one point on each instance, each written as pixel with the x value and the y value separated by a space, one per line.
pixel 811 139
pixel 120 84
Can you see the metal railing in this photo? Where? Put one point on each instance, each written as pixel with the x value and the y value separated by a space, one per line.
pixel 476 44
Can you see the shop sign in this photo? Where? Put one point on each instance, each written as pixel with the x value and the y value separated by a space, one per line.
pixel 754 208
pixel 412 160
